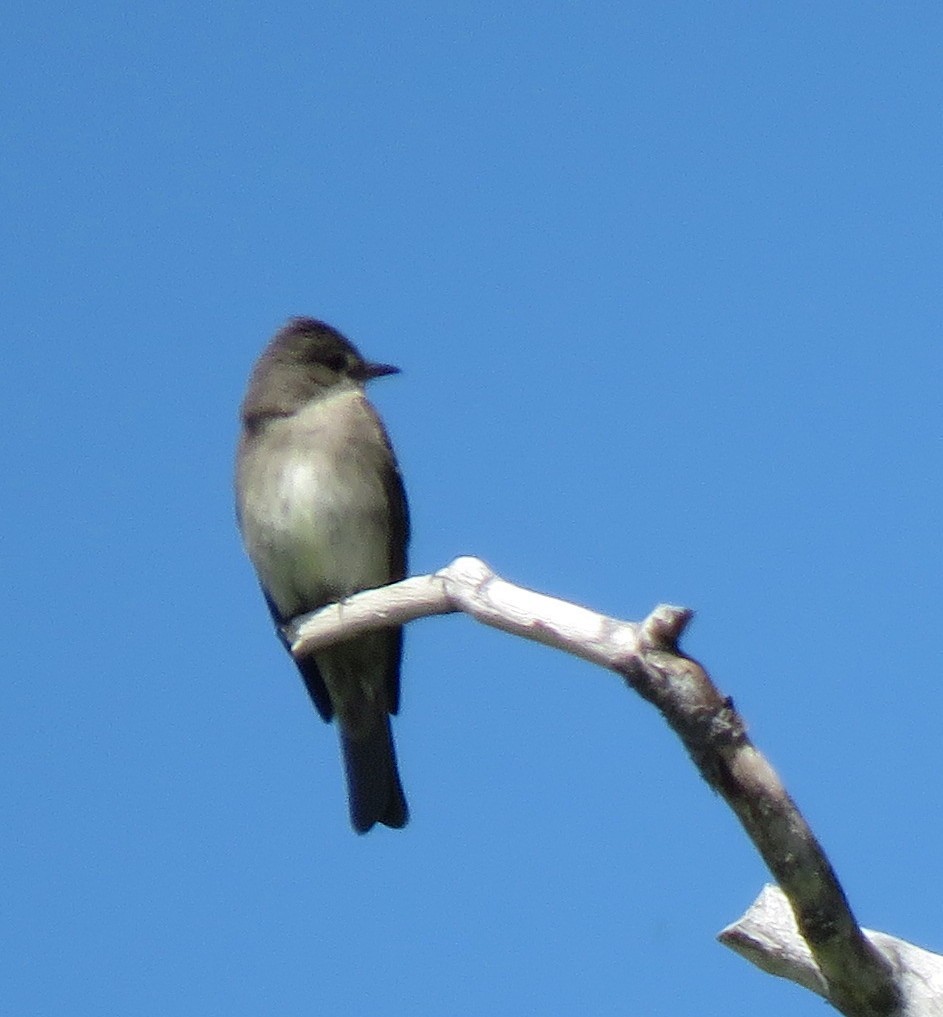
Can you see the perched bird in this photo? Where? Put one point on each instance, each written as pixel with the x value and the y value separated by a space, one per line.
pixel 322 511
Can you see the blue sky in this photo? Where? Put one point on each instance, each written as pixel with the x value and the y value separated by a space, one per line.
pixel 664 283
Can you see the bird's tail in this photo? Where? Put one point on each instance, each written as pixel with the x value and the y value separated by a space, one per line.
pixel 373 785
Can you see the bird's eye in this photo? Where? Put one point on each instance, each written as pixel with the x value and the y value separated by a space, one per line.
pixel 335 362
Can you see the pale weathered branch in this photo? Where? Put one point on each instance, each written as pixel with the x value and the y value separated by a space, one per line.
pixel 860 975
pixel 767 936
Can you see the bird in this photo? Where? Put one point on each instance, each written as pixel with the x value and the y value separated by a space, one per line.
pixel 322 511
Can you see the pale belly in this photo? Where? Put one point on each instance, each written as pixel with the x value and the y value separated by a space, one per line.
pixel 319 533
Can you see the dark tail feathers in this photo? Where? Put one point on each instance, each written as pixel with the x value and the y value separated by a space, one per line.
pixel 373 786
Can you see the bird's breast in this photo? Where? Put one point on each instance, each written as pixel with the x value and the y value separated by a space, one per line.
pixel 314 517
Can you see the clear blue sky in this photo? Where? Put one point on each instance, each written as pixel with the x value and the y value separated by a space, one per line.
pixel 665 284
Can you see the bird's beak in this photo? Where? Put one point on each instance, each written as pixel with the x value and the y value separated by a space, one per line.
pixel 368 371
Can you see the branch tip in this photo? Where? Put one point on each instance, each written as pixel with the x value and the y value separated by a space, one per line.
pixel 662 629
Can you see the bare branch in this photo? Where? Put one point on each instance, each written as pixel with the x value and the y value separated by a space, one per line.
pixel 858 975
pixel 468 585
pixel 767 936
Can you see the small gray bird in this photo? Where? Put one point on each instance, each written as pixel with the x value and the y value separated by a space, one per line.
pixel 323 514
